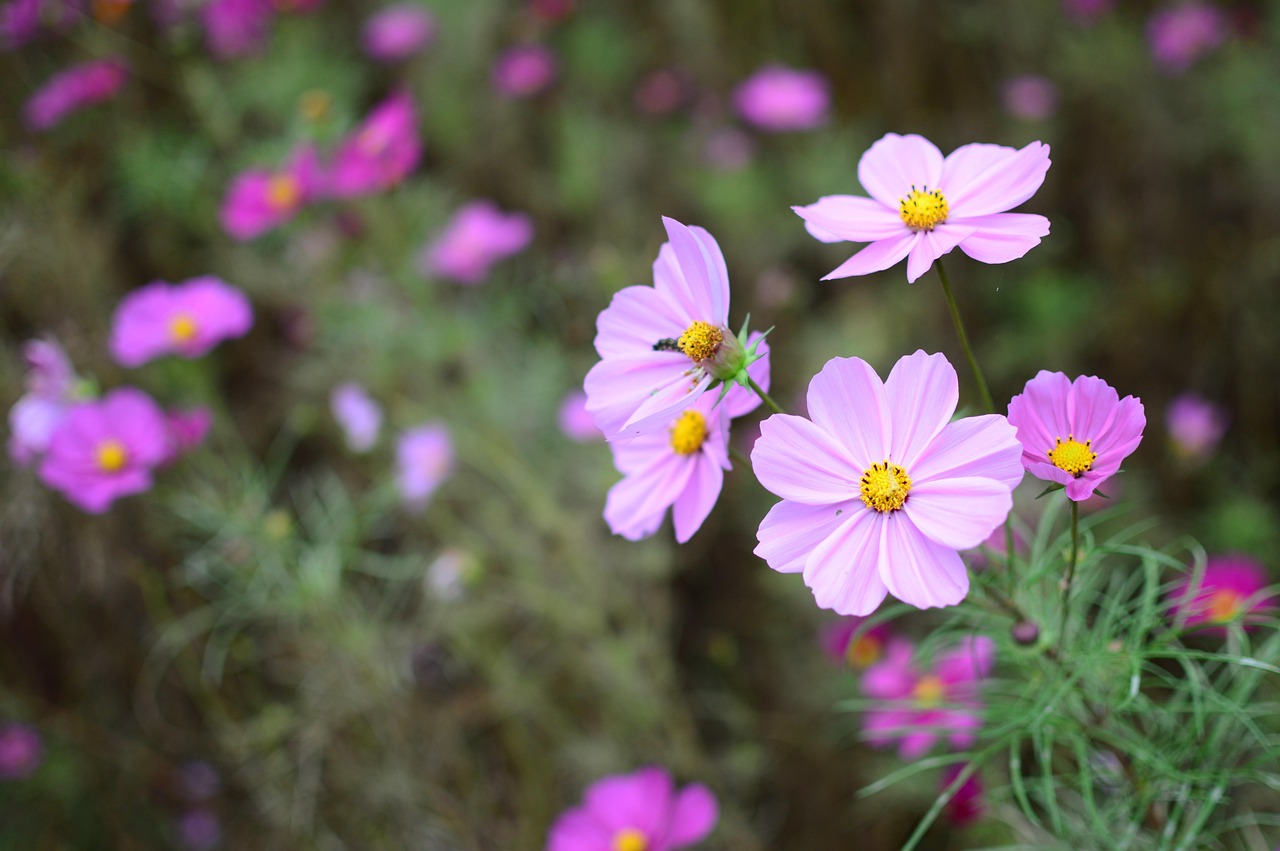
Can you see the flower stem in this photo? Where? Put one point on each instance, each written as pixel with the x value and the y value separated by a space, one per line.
pixel 769 403
pixel 964 338
pixel 1071 569
pixel 736 455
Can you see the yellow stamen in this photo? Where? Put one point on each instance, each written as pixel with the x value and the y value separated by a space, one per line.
pixel 1224 606
pixel 689 432
pixel 1074 457
pixel 885 487
pixel 112 455
pixel 929 691
pixel 922 209
pixel 700 341
pixel 863 652
pixel 630 839
pixel 283 192
pixel 183 328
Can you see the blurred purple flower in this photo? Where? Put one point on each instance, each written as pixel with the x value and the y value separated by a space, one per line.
pixel 1087 11
pixel 449 573
pixel 478 236
pixel 524 70
pixel 777 98
pixel 1195 426
pixel 661 92
pixel 187 430
pixel 641 811
pixel 1029 97
pixel 381 152
pixel 574 420
pixel 199 830
pixel 729 149
pixel 424 459
pixel 397 32
pixel 50 385
pixel 76 87
pixel 19 23
pixel 1180 35
pixel 968 803
pixel 21 751
pixel 236 27
pixel 186 319
pixel 359 416
pixel 49 372
pixel 259 200
pixel 838 642
pixel 1229 590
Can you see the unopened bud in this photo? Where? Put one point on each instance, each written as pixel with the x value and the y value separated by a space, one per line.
pixel 1026 633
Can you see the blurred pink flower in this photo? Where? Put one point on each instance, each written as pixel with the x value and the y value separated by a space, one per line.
pixel 106 449
pixel 186 319
pixel 922 206
pixel 21 751
pixel 424 459
pixel 729 149
pixel 778 98
pixel 880 488
pixel 381 152
pixel 1029 97
pixel 1195 425
pixel 1229 590
pixel 968 803
pixel 1075 433
pixel 1182 34
pixel 19 23
pixel 399 31
pixel 661 92
pixel 359 416
pixel 641 811
pixel 74 88
pixel 236 27
pixel 1087 11
pixel 524 70
pixel 841 647
pixel 188 429
pixel 477 236
pixel 922 706
pixel 51 384
pixel 259 200
pixel 575 421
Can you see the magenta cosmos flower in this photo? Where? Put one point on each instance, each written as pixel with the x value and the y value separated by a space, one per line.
pixel 575 421
pixel 397 32
pixel 1195 425
pixel 524 71
pixel 841 646
pixel 1075 433
pixel 236 27
pixel 260 200
pixel 359 416
pixel 381 152
pixel 681 467
pixel 51 387
pixel 1231 588
pixel 106 449
pixel 188 428
pixel 75 88
pixel 478 236
pixel 1180 35
pixel 21 751
pixel 778 98
pixel 1029 97
pixel 880 489
pixel 968 803
pixel 424 459
pixel 922 205
pixel 662 346
pixel 923 705
pixel 641 811
pixel 186 319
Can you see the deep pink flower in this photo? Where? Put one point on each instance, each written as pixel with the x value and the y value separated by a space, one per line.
pixel 51 386
pixel 236 27
pixel 259 200
pixel 1229 590
pixel 778 98
pixel 19 23
pixel 641 811
pixel 1029 97
pixel 879 488
pixel 681 467
pixel 923 705
pixel 21 751
pixel 575 421
pixel 1195 426
pixel 1180 35
pixel 76 87
pixel 381 152
pixel 524 70
pixel 188 429
pixel 968 803
pixel 1075 433
pixel 186 319
pixel 106 449
pixel 424 459
pixel 922 205
pixel 842 647
pixel 397 32
pixel 477 236
pixel 358 414
pixel 662 346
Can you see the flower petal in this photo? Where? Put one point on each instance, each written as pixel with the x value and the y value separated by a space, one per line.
pixel 697 275
pixel 797 460
pixel 1001 237
pixel 984 446
pixel 639 800
pixel 842 571
pixel 967 163
pixel 916 570
pixel 895 163
pixel 617 387
pixel 1006 182
pixel 848 401
pixel 933 244
pixel 876 257
pixel 693 817
pixel 698 497
pixel 959 513
pixel 664 403
pixel 967 663
pixel 577 830
pixel 852 218
pixel 921 393
pixel 636 505
pixel 636 319
pixel 792 530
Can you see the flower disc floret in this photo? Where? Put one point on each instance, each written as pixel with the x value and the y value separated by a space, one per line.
pixel 884 487
pixel 921 209
pixel 1072 456
pixel 630 839
pixel 689 433
pixel 700 341
pixel 112 455
pixel 929 691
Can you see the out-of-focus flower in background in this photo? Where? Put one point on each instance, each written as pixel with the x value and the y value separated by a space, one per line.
pixel 641 811
pixel 524 70
pixel 729 149
pixel 398 32
pixel 199 829
pixel 424 459
pixel 51 387
pixel 186 319
pixel 777 98
pixel 449 574
pixel 259 200
pixel 968 803
pixel 551 10
pixel 477 236
pixel 1029 97
pixel 661 92
pixel 359 416
pixel 1181 35
pixel 236 27
pixel 1195 426
pixel 21 751
pixel 73 89
pixel 19 23
pixel 839 642
pixel 1229 590
pixel 198 781
pixel 188 429
pixel 381 152
pixel 575 421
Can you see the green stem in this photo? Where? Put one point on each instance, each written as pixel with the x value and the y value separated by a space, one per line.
pixel 736 455
pixel 769 403
pixel 1071 569
pixel 964 338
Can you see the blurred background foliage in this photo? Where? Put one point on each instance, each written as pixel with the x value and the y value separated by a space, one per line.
pixel 266 609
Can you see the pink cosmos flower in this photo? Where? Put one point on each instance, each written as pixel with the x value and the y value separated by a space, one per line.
pixel 188 429
pixel 236 27
pixel 524 71
pixel 1180 35
pixel 186 319
pixel 1029 97
pixel 51 386
pixel 478 236
pixel 923 705
pixel 1195 425
pixel 260 200
pixel 879 488
pixel 641 811
pixel 106 449
pixel 1075 433
pixel 358 414
pixel 379 153
pixel 681 467
pixel 76 87
pixel 21 751
pixel 922 205
pixel 397 32
pixel 843 648
pixel 968 802
pixel 424 459
pixel 778 98
pixel 662 346
pixel 1229 590
pixel 575 421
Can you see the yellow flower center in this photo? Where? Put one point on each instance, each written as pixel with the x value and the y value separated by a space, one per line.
pixel 283 192
pixel 922 209
pixel 1074 457
pixel 182 328
pixel 111 455
pixel 863 652
pixel 885 487
pixel 689 432
pixel 700 341
pixel 1224 606
pixel 929 691
pixel 630 839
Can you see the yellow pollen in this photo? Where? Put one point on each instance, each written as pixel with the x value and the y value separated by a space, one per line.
pixel 283 192
pixel 689 432
pixel 630 839
pixel 885 487
pixel 700 341
pixel 929 691
pixel 182 328
pixel 863 652
pixel 922 209
pixel 111 455
pixel 1074 457
pixel 1224 606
